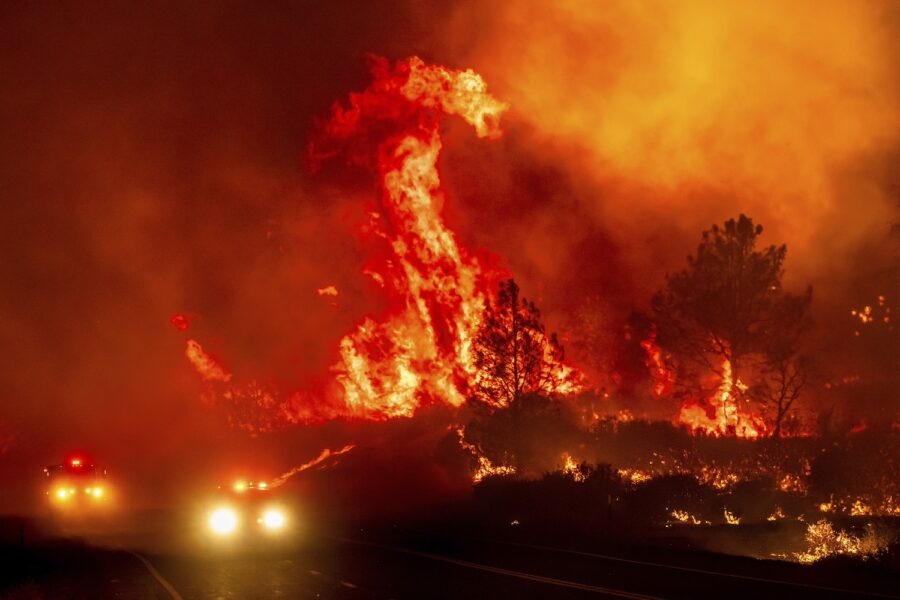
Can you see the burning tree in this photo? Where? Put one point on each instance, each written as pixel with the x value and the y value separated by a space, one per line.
pixel 513 353
pixel 726 315
pixel 517 421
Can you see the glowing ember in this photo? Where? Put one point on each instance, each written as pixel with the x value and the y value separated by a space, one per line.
pixel 570 467
pixel 877 314
pixel 731 519
pixel 634 476
pixel 719 478
pixel 330 292
pixel 776 515
pixel 791 482
pixel 208 368
pixel 683 516
pixel 879 504
pixel 860 508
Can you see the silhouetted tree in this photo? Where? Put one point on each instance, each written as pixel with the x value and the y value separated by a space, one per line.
pixel 784 377
pixel 555 500
pixel 513 353
pixel 728 305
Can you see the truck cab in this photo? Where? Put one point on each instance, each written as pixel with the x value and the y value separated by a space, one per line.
pixel 75 485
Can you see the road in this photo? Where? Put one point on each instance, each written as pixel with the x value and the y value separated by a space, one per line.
pixel 408 564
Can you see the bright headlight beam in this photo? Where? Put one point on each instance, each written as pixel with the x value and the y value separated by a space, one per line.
pixel 273 519
pixel 223 521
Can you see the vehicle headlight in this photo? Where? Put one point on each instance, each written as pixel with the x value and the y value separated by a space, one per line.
pixel 223 521
pixel 273 519
pixel 62 493
pixel 97 492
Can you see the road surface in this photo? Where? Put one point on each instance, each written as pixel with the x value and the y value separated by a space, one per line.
pixel 406 564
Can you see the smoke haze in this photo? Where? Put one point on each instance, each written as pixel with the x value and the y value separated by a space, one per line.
pixel 153 163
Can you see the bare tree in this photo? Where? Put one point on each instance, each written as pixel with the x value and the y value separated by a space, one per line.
pixel 784 381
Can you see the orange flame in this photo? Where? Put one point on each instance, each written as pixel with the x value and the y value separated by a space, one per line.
pixel 323 455
pixel 207 366
pixel 420 352
pixel 663 377
pixel 727 417
pixel 423 351
pixel 483 467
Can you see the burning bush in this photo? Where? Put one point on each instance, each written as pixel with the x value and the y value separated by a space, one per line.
pixel 823 541
pixel 669 475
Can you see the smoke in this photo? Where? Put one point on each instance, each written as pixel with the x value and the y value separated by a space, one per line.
pixel 688 113
pixel 152 165
pixel 633 127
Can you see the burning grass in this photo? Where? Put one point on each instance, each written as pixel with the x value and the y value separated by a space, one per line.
pixel 653 475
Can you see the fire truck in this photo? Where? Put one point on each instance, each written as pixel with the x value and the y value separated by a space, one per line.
pixel 76 485
pixel 246 511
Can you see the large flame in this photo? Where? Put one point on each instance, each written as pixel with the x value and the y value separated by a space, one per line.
pixel 423 350
pixel 722 414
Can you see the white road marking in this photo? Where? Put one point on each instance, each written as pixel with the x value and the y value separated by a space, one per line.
pixel 695 570
pixel 348 584
pixel 509 573
pixel 173 593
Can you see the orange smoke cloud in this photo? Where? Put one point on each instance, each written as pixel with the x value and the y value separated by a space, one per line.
pixel 707 108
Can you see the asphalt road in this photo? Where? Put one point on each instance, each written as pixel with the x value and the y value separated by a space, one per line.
pixel 403 563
